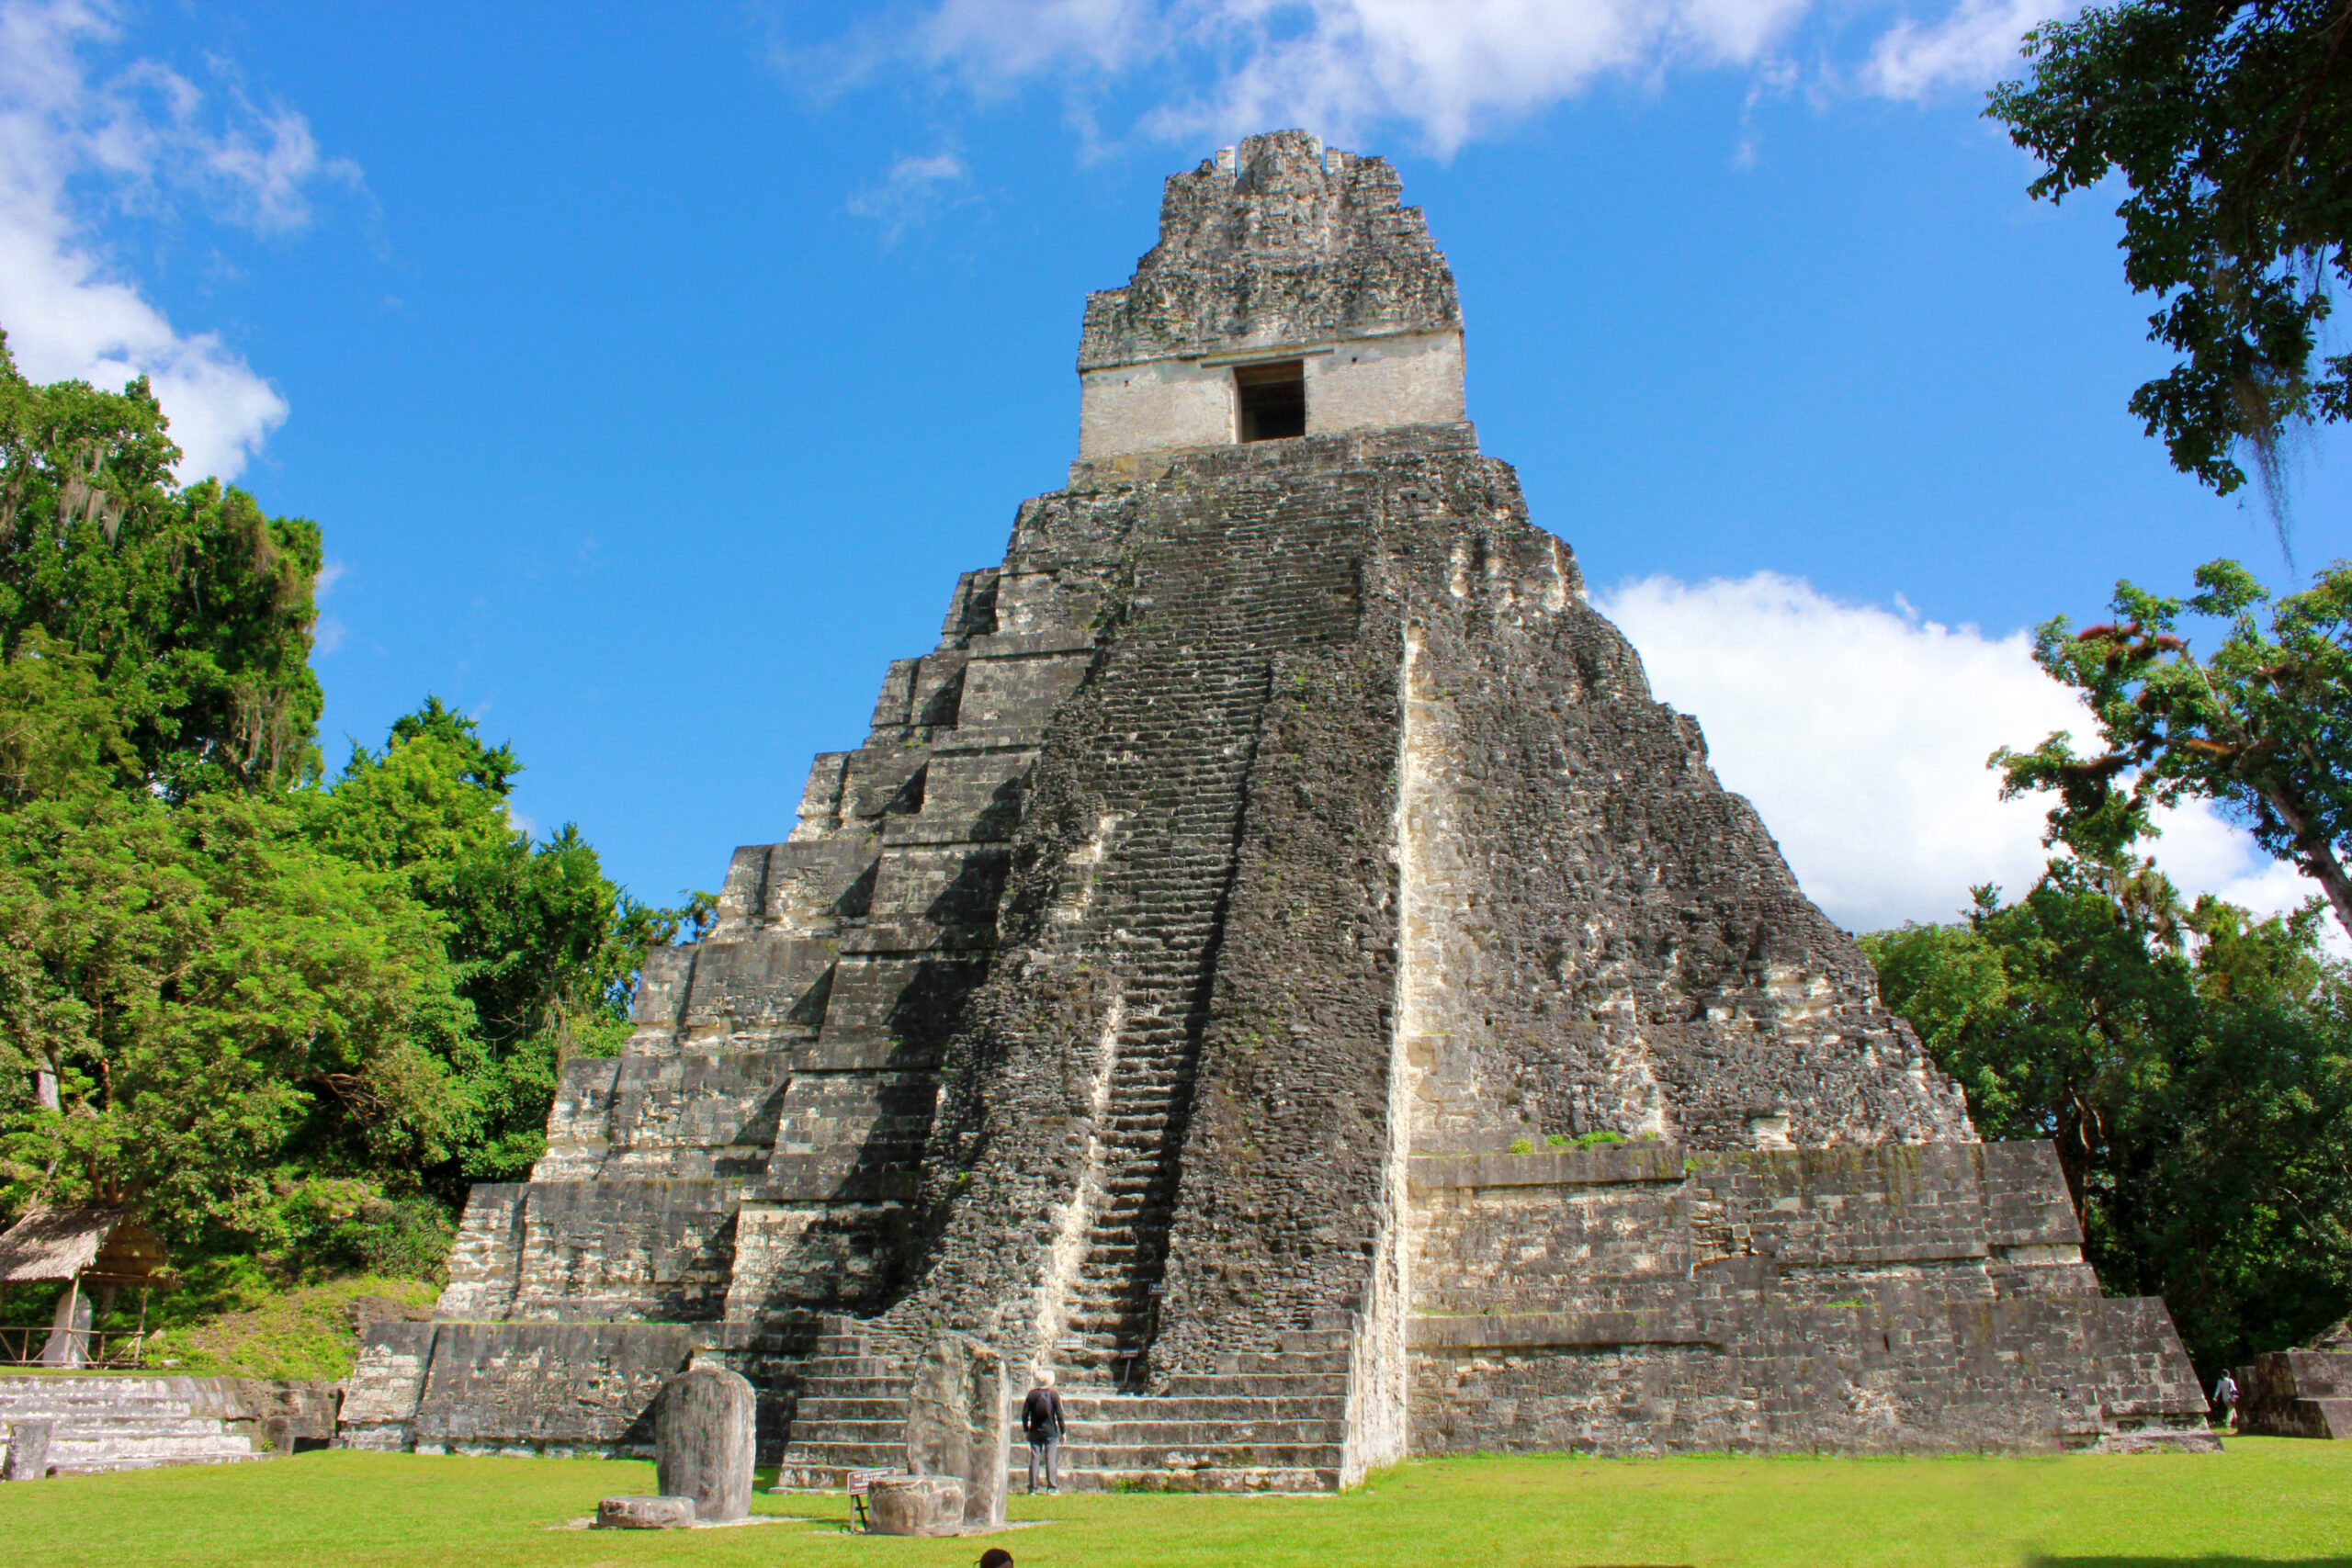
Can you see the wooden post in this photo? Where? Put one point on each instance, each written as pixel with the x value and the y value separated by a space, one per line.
pixel 64 1348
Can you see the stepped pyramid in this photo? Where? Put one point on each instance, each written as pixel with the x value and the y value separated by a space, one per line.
pixel 1274 964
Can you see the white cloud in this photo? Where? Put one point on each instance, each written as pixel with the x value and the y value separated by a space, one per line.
pixel 1449 68
pixel 1015 38
pixel 915 187
pixel 1975 44
pixel 1861 735
pixel 142 139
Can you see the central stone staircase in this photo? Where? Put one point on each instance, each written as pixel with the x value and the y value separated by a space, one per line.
pixel 1272 1421
pixel 103 1423
pixel 856 1399
pixel 1177 729
pixel 1189 732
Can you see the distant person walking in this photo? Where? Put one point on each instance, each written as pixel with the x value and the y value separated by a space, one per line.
pixel 2225 1395
pixel 1041 1424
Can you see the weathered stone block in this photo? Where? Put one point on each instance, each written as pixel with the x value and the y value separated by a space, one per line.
pixel 381 1396
pixel 915 1505
pixel 705 1438
pixel 957 1423
pixel 644 1513
pixel 26 1456
pixel 2296 1394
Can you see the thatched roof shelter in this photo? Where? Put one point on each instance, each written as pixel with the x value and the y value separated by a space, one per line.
pixel 97 1243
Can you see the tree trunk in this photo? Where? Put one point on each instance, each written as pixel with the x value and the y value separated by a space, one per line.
pixel 2316 855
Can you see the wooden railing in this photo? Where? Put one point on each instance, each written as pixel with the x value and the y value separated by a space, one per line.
pixel 22 1344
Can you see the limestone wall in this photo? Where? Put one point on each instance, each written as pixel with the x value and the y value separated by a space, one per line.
pixel 556 1388
pixel 1645 1298
pixel 1613 943
pixel 1378 381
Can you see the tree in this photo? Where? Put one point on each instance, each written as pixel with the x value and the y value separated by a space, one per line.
pixel 273 1010
pixel 2200 1102
pixel 60 735
pixel 192 605
pixel 545 948
pixel 214 1000
pixel 2231 123
pixel 2263 728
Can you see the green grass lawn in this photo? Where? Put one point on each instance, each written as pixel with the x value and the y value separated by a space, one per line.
pixel 2267 1500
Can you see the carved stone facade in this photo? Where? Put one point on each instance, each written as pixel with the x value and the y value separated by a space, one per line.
pixel 1274 843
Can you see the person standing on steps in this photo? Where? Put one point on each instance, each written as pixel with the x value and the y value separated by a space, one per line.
pixel 1041 1424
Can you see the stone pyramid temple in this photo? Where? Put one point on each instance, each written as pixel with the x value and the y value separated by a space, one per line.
pixel 1275 964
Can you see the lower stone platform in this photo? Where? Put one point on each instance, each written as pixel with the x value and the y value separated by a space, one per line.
pixel 558 1388
pixel 109 1421
pixel 1637 1298
pixel 2296 1394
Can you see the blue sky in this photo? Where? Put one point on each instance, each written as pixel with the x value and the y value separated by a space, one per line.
pixel 653 370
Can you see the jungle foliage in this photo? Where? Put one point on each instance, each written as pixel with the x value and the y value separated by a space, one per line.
pixel 290 1016
pixel 2262 727
pixel 2230 124
pixel 2192 1064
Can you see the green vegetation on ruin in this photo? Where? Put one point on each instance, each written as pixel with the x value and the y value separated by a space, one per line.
pixel 303 1332
pixel 2266 1500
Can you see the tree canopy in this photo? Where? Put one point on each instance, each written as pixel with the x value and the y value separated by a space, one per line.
pixel 193 607
pixel 2263 727
pixel 2193 1068
pixel 259 1002
pixel 2230 124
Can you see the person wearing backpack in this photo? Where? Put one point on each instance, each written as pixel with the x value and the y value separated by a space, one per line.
pixel 1041 1424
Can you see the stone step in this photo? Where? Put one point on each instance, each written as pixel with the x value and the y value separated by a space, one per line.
pixel 854 1407
pixel 1125 1210
pixel 836 1344
pixel 1332 1360
pixel 862 1429
pixel 1266 1386
pixel 852 1388
pixel 1203 1408
pixel 848 1456
pixel 69 1453
pixel 103 1423
pixel 1107 1328
pixel 1117 1286
pixel 1180 1457
pixel 1212 1479
pixel 1213 1435
pixel 32 1407
pixel 109 1385
pixel 82 1426
pixel 820 1367
pixel 143 1462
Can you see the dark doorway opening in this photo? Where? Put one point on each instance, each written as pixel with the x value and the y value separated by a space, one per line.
pixel 1273 399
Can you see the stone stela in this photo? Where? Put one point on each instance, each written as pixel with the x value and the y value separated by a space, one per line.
pixel 1217 975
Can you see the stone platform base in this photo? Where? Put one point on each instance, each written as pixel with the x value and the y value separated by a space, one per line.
pixel 2296 1394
